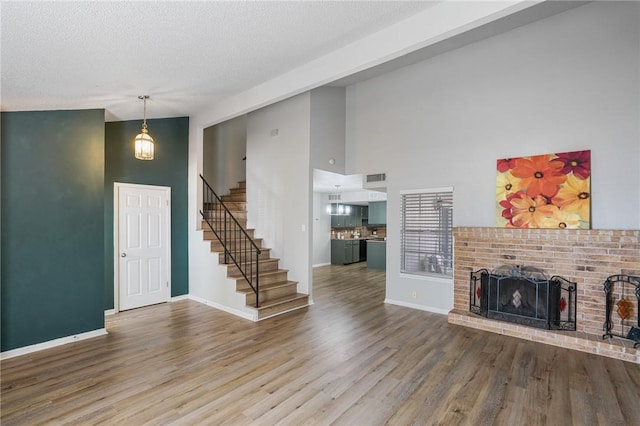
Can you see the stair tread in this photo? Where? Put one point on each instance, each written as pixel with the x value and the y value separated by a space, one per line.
pixel 279 301
pixel 231 211
pixel 269 286
pixel 262 273
pixel 204 223
pixel 262 251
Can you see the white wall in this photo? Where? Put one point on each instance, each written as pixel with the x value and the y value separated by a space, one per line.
pixel 224 147
pixel 321 230
pixel 279 184
pixel 569 82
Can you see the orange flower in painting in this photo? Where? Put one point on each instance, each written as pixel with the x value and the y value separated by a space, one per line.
pixel 574 197
pixel 540 175
pixel 531 212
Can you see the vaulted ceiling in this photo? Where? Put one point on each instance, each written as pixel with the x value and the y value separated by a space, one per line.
pixel 191 56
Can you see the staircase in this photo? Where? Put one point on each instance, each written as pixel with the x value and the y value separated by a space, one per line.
pixel 276 293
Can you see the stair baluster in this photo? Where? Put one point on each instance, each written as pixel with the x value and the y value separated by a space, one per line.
pixel 238 246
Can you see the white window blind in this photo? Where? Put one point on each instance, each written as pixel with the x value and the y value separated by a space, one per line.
pixel 426 240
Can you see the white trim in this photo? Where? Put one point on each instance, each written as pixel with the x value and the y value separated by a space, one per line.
pixel 421 277
pixel 52 343
pixel 419 307
pixel 321 264
pixel 283 312
pixel 427 191
pixel 179 298
pixel 109 312
pixel 116 215
pixel 236 312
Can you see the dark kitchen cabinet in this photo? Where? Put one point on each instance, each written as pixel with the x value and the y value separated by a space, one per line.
pixel 344 252
pixel 378 213
pixel 357 217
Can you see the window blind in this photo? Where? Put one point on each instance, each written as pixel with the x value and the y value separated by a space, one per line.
pixel 426 240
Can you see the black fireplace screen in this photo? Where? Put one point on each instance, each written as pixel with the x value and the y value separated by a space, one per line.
pixel 622 307
pixel 523 295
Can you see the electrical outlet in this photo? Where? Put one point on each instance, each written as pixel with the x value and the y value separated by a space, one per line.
pixel 414 295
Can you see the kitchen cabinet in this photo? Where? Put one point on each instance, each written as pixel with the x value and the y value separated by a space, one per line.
pixel 360 215
pixel 338 221
pixel 377 213
pixel 377 254
pixel 355 218
pixel 344 252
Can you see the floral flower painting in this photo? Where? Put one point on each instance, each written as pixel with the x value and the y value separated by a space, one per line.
pixel 544 191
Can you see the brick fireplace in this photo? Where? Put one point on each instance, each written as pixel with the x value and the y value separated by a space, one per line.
pixel 586 257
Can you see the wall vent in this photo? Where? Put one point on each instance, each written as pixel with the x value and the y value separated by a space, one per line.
pixel 375 181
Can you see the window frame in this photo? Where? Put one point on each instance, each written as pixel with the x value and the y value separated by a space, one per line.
pixel 419 270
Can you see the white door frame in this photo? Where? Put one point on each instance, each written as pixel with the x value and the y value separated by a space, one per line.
pixel 116 237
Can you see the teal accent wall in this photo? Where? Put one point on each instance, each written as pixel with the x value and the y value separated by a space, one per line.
pixel 169 168
pixel 52 275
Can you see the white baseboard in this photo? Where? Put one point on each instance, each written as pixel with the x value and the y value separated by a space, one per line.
pixel 109 312
pixel 236 312
pixel 181 297
pixel 419 307
pixel 52 343
pixel 321 264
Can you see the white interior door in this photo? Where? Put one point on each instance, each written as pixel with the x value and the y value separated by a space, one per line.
pixel 143 245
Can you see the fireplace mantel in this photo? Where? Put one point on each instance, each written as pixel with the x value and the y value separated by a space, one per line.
pixel 587 257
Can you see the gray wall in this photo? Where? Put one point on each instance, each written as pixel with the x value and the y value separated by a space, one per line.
pixel 279 183
pixel 224 146
pixel 327 128
pixel 569 82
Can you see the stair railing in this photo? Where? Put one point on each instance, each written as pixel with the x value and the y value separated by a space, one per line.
pixel 238 246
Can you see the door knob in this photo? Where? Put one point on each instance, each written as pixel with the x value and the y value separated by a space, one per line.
pixel 123 255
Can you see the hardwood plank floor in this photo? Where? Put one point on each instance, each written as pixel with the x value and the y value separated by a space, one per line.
pixel 347 360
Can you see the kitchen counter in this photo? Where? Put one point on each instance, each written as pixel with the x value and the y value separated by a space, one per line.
pixel 372 237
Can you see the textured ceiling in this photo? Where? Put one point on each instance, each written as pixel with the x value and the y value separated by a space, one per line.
pixel 186 55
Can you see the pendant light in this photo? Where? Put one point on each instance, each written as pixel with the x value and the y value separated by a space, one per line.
pixel 144 142
pixel 335 208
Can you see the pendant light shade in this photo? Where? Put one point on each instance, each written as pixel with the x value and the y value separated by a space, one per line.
pixel 144 148
pixel 335 207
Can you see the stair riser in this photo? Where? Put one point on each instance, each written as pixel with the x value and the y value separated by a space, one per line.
pixel 241 284
pixel 209 235
pixel 268 295
pixel 236 191
pixel 217 245
pixel 264 267
pixel 234 197
pixel 236 206
pixel 218 215
pixel 220 224
pixel 263 255
pixel 242 184
pixel 297 303
pixel 231 205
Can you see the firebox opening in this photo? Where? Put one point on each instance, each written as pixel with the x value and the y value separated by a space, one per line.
pixel 524 295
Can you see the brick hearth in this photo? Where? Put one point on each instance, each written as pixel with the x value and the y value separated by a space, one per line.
pixel 587 257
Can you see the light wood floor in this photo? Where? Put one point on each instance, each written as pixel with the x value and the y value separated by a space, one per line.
pixel 349 359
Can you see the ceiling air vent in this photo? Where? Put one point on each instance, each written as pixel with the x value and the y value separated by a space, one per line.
pixel 375 181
